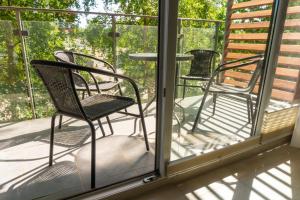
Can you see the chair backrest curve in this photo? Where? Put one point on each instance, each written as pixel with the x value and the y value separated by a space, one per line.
pixel 60 85
pixel 256 75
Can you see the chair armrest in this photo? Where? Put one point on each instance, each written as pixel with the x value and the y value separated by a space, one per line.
pixel 110 66
pixel 71 67
pixel 107 73
pixel 75 74
pixel 95 82
pixel 223 67
pixel 242 59
pixel 115 75
pixel 97 59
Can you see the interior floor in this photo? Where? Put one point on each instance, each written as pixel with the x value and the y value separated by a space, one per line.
pixel 24 154
pixel 271 175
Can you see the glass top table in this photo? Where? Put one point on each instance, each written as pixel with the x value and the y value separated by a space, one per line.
pixel 153 56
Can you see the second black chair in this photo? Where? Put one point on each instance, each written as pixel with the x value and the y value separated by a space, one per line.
pixel 201 68
pixel 95 85
pixel 90 61
pixel 217 86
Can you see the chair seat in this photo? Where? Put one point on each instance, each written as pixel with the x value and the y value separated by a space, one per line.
pixel 104 86
pixel 224 88
pixel 100 105
pixel 200 78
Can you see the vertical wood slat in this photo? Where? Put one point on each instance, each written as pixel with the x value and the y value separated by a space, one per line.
pixel 246 43
pixel 250 4
pixel 290 23
pixel 261 47
pixel 282 60
pixel 263 13
pixel 262 36
pixel 227 25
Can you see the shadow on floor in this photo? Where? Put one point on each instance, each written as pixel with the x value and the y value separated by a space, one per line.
pixel 272 175
pixel 61 178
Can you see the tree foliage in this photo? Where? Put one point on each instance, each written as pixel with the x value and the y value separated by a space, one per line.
pixel 204 9
pixel 49 32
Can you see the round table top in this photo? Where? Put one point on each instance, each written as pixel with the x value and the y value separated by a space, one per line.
pixel 153 56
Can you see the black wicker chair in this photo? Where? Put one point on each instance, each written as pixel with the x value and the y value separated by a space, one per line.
pixel 59 80
pixel 201 68
pixel 84 85
pixel 216 86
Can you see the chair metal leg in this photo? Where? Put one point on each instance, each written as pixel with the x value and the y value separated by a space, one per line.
pixel 83 95
pixel 121 93
pixel 52 139
pixel 60 121
pixel 143 125
pixel 101 127
pixel 200 110
pixel 214 102
pixel 144 110
pixel 183 110
pixel 248 110
pixel 179 125
pixel 184 87
pixel 93 155
pixel 135 124
pixel 251 109
pixel 109 124
pixel 252 115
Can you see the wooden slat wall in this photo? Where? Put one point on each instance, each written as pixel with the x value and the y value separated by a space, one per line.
pixel 246 35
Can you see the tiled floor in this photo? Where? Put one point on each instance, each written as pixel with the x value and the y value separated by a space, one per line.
pixel 25 148
pixel 229 125
pixel 273 175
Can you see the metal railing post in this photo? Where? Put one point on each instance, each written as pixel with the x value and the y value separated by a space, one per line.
pixel 19 10
pixel 216 39
pixel 114 38
pixel 25 61
pixel 179 36
pixel 179 50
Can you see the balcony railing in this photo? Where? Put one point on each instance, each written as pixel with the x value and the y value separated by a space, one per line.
pixel 30 33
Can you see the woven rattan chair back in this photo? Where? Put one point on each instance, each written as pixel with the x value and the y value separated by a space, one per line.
pixel 82 59
pixel 59 83
pixel 69 57
pixel 202 64
pixel 64 56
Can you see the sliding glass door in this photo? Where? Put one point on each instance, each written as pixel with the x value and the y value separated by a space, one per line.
pixel 217 93
pixel 123 44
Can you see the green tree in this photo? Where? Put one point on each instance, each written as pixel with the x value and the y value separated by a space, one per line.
pixel 49 32
pixel 44 37
pixel 203 9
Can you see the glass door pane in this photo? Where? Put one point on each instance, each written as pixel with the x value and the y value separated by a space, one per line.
pixel 213 113
pixel 122 45
pixel 281 112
